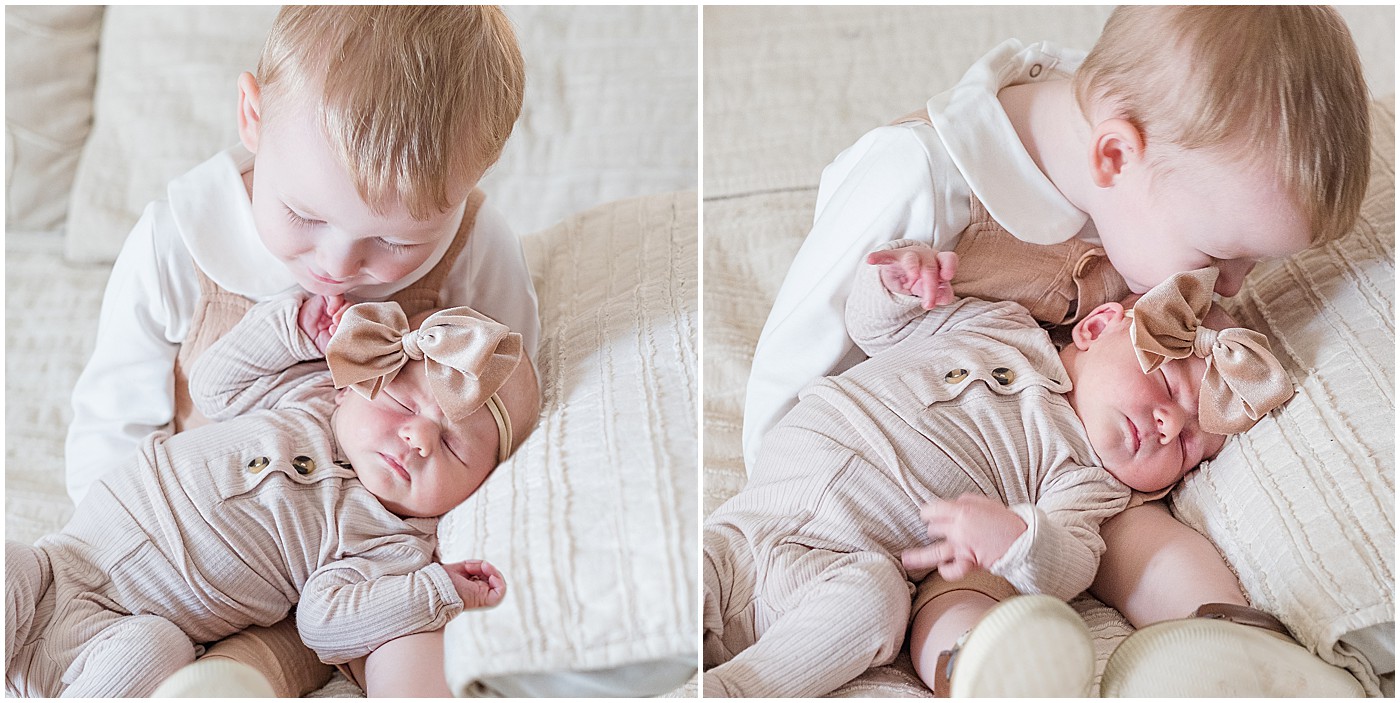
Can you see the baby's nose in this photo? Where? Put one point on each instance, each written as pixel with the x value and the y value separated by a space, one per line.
pixel 1170 419
pixel 420 434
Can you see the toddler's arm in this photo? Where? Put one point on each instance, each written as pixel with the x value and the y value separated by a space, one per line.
pixel 127 389
pixel 903 290
pixel 491 276
pixel 259 363
pixel 881 188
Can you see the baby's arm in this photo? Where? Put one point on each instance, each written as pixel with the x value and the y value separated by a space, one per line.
pixel 903 290
pixel 352 606
pixel 1057 549
pixel 412 666
pixel 259 362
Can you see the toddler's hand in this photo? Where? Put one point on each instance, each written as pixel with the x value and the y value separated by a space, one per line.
pixel 919 271
pixel 478 583
pixel 318 317
pixel 970 532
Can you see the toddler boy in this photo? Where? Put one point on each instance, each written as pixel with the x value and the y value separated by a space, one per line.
pixel 302 496
pixel 1016 451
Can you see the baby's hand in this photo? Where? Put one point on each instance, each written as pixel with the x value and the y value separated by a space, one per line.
pixel 318 318
pixel 919 271
pixel 969 532
pixel 478 583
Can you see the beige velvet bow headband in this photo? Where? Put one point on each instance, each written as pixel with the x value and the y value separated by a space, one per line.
pixel 467 356
pixel 1243 380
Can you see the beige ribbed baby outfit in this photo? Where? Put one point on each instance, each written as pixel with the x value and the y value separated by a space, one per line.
pixel 804 589
pixel 219 528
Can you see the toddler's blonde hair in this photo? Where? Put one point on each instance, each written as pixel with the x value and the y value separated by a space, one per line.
pixel 1279 87
pixel 418 100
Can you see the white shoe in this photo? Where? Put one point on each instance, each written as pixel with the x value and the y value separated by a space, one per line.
pixel 1198 657
pixel 216 677
pixel 1025 646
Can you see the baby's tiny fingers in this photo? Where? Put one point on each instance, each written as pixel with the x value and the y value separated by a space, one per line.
pixel 924 557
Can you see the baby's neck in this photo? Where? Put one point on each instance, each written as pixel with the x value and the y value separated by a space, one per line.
pixel 1054 132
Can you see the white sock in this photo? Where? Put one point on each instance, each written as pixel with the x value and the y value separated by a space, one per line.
pixel 216 677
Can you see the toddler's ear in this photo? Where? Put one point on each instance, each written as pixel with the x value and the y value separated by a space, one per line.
pixel 1116 143
pixel 1089 329
pixel 249 111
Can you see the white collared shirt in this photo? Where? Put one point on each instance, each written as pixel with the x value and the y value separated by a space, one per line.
pixel 127 389
pixel 906 181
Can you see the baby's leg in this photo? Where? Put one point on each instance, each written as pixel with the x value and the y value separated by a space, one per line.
pixel 1155 568
pixel 129 657
pixel 833 615
pixel 29 603
pixel 27 578
pixel 977 637
pixel 276 652
pixel 408 667
pixel 729 576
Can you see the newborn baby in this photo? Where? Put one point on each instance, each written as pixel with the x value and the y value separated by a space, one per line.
pixel 303 495
pixel 1015 450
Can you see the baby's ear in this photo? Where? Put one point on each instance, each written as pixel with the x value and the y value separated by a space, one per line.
pixel 1089 329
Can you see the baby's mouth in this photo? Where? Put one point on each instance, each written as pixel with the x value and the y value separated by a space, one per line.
pixel 395 467
pixel 1137 437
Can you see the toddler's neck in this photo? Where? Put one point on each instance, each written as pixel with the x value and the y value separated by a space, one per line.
pixel 1054 132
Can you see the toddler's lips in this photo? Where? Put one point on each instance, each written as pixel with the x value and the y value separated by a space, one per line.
pixel 324 279
pixel 395 467
pixel 1137 437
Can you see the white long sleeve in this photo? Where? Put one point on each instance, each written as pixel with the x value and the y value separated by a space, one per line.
pixel 126 391
pixel 894 183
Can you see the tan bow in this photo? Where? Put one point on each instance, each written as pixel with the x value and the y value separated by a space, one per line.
pixel 1243 380
pixel 467 356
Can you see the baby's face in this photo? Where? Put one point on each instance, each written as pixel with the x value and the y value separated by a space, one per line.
pixel 407 453
pixel 1145 427
pixel 1201 214
pixel 309 214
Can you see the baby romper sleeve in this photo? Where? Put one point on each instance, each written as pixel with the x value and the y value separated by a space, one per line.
pixel 1059 552
pixel 259 364
pixel 877 319
pixel 350 607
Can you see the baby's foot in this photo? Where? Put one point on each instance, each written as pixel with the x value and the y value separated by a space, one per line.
pixel 478 584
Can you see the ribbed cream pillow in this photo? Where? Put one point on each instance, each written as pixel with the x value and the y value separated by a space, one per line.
pixel 593 521
pixel 1303 504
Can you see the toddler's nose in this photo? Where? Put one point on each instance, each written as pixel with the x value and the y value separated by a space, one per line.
pixel 339 261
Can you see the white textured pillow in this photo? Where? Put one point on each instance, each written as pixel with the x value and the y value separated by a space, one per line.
pixel 1302 505
pixel 167 99
pixel 593 520
pixel 50 71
